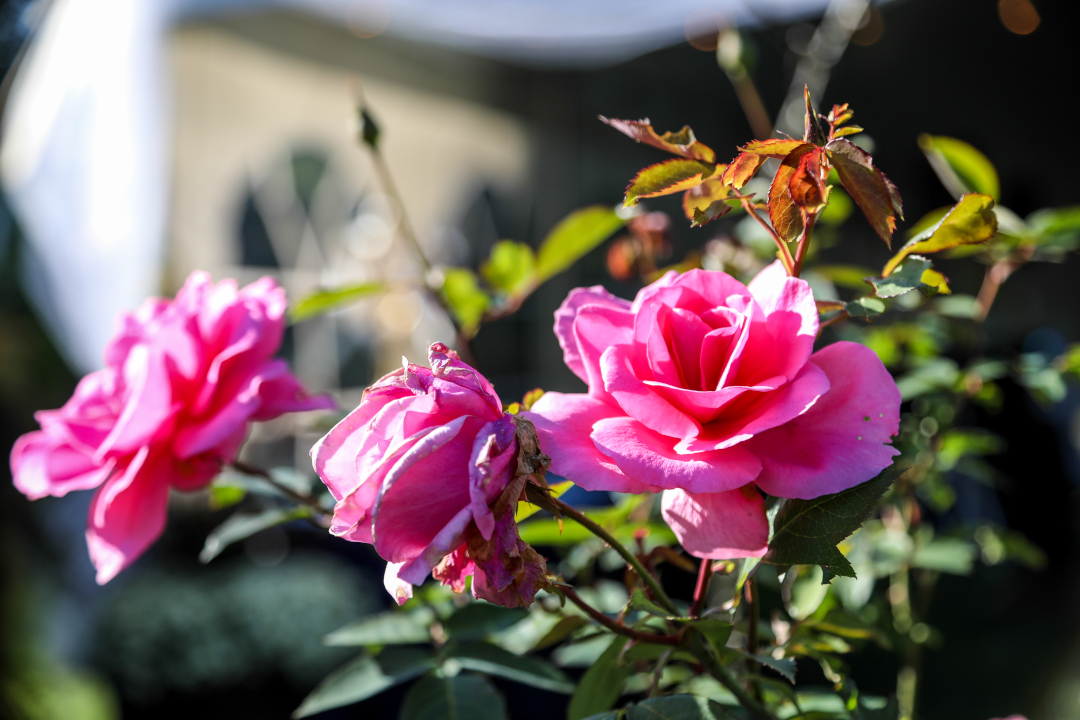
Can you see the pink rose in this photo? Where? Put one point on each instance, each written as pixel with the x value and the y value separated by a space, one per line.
pixel 703 388
pixel 182 379
pixel 420 469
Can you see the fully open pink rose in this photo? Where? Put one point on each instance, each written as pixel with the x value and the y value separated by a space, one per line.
pixel 416 470
pixel 182 379
pixel 702 388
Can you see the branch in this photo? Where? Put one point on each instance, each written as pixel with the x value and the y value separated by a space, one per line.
pixel 614 626
pixel 702 587
pixel 646 576
pixel 785 254
pixel 308 500
pixel 718 671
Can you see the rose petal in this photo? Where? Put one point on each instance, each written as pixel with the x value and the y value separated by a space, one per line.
pixel 841 441
pixel 597 328
pixel 493 450
pixel 761 409
pixel 411 508
pixel 400 590
pixel 564 423
pixel 567 314
pixel 786 341
pixel 128 514
pixel 718 526
pixel 42 464
pixel 640 401
pixel 651 459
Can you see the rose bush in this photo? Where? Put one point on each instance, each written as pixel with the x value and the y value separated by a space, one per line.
pixel 419 469
pixel 704 388
pixel 181 381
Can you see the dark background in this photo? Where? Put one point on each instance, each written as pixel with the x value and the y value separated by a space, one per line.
pixel 1011 636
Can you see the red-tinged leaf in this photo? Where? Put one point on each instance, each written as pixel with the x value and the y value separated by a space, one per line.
pixel 840 114
pixel 681 143
pixel 783 212
pixel 812 132
pixel 706 216
pixel 849 130
pixel 805 185
pixel 744 167
pixel 705 202
pixel 666 178
pixel 778 148
pixel 868 186
pixel 970 222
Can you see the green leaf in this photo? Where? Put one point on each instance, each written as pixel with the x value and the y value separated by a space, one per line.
pixel 681 143
pixel 808 531
pixel 462 697
pixel 223 496
pixel 638 601
pixel 244 524
pixel 852 277
pixel 960 167
pixel 364 677
pixel 1058 226
pixel 511 268
pixel 936 374
pixel 562 630
pixel 574 236
pixel 322 301
pixel 479 619
pixel 871 190
pixel 947 555
pixel 784 666
pixel 838 209
pixel 467 301
pixel 678 707
pixel 865 307
pixel 525 669
pixel 970 222
pixel 388 628
pixel 612 715
pixel 666 178
pixel 716 632
pixel 601 685
pixel 914 273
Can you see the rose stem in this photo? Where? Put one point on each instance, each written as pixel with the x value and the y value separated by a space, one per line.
pixel 249 469
pixel 616 627
pixel 804 244
pixel 833 320
pixel 702 587
pixel 405 229
pixel 718 671
pixel 752 621
pixel 785 254
pixel 645 575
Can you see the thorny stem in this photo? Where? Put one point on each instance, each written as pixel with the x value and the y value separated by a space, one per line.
pixel 844 315
pixel 701 590
pixel 718 671
pixel 311 502
pixel 997 274
pixel 659 671
pixel 785 254
pixel 643 573
pixel 614 626
pixel 752 621
pixel 405 229
pixel 804 244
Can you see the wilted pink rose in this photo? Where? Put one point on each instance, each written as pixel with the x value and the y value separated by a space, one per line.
pixel 182 379
pixel 703 388
pixel 418 470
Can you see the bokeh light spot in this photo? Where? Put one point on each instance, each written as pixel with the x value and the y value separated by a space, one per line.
pixel 1019 16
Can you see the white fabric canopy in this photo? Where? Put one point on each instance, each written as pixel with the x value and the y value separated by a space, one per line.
pixel 85 155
